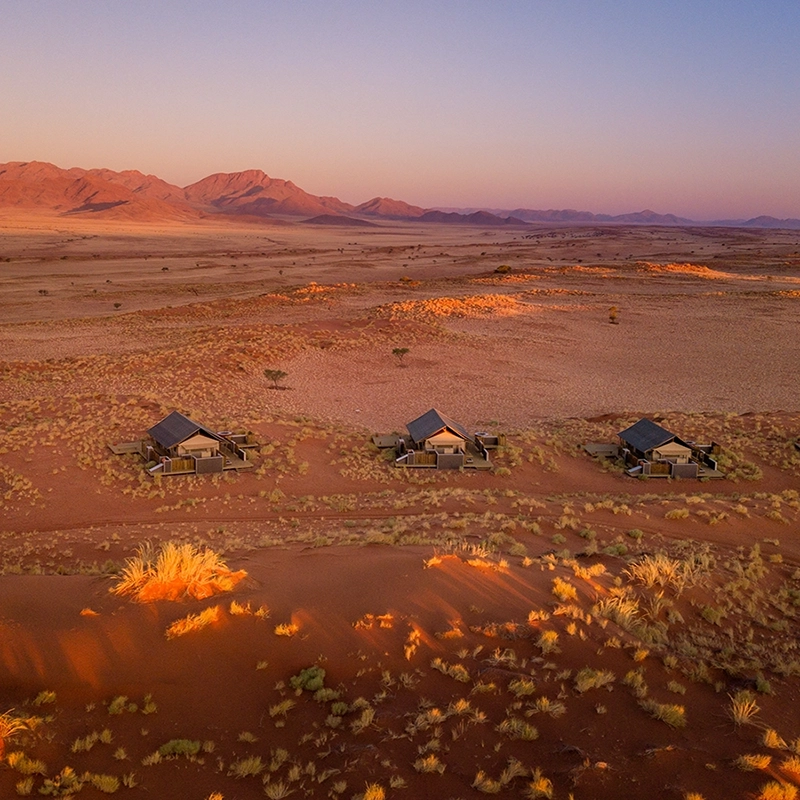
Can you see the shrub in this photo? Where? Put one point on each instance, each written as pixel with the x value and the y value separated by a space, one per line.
pixel 311 679
pixel 179 747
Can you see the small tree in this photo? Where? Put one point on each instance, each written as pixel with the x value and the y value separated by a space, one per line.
pixel 399 353
pixel 276 376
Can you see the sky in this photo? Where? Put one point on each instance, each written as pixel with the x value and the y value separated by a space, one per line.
pixel 610 106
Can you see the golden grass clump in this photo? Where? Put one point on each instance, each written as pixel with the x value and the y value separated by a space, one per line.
pixel 753 761
pixel 193 622
pixel 743 707
pixel 777 791
pixel 673 715
pixel 10 727
pixel 175 571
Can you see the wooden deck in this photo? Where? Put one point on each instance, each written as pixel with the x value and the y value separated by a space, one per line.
pixel 126 447
pixel 474 460
pixel 232 460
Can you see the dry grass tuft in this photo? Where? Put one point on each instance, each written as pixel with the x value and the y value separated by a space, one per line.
pixel 673 715
pixel 193 622
pixel 777 791
pixel 11 727
pixel 753 761
pixel 743 707
pixel 175 571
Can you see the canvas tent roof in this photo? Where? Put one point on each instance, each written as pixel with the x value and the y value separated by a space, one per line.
pixel 646 435
pixel 673 448
pixel 431 423
pixel 176 428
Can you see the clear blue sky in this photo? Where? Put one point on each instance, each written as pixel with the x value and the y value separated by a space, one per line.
pixel 611 106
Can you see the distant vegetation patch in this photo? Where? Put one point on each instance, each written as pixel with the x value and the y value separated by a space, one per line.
pixel 479 305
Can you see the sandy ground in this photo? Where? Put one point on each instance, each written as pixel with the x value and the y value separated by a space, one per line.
pixel 339 543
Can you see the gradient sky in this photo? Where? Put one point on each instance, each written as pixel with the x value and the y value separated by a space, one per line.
pixel 604 105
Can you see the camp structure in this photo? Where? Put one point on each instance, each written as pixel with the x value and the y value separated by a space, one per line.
pixel 180 446
pixel 437 442
pixel 649 449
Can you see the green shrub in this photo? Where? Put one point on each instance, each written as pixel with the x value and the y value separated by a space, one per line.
pixel 310 679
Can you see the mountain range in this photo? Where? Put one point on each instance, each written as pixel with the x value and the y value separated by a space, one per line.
pixel 131 195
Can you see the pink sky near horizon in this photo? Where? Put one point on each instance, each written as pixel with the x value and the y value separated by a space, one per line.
pixel 612 107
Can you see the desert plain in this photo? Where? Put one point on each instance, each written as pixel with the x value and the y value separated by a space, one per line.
pixel 548 628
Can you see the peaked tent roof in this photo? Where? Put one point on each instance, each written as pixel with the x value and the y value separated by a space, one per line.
pixel 646 435
pixel 431 423
pixel 176 428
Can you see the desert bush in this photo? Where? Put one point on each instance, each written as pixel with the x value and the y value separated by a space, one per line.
pixel 175 571
pixel 310 679
pixel 179 747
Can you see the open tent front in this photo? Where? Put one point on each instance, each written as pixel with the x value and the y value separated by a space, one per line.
pixel 672 451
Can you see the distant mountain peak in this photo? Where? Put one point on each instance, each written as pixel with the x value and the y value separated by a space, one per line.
pixel 133 195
